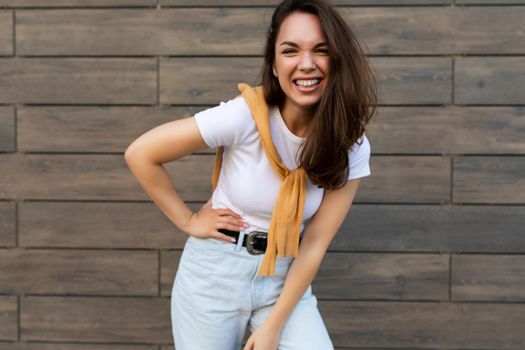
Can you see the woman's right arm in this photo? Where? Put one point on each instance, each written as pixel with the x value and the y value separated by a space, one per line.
pixel 165 143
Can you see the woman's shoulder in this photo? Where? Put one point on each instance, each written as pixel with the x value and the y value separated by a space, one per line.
pixel 359 158
pixel 361 146
pixel 227 123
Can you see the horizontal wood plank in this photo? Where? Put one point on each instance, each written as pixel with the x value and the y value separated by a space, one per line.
pixel 78 80
pixel 394 130
pixel 7 224
pixel 91 129
pixel 95 319
pixel 169 264
pixel 72 346
pixel 448 130
pixel 489 80
pixel 488 277
pixel 95 177
pixel 184 31
pixel 409 80
pixel 205 80
pixel 423 325
pixel 7 129
pixel 496 179
pixel 432 228
pixel 274 3
pixel 382 276
pixel 117 225
pixel 491 2
pixel 8 317
pixel 241 31
pixel 47 271
pixel 209 80
pixel 406 179
pixel 74 3
pixel 68 177
pixel 6 32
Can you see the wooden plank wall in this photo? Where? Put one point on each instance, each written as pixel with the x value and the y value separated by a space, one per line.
pixel 431 255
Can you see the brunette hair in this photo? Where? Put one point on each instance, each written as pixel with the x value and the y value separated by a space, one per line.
pixel 347 104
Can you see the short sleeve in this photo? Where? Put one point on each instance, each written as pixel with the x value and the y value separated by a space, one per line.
pixel 359 158
pixel 225 124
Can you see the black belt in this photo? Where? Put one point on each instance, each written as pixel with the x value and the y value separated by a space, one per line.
pixel 254 241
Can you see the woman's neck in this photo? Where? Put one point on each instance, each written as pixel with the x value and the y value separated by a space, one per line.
pixel 296 118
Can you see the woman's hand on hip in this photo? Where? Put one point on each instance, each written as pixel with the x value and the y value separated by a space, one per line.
pixel 207 222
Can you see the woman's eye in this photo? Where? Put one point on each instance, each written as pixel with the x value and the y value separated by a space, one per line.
pixel 290 51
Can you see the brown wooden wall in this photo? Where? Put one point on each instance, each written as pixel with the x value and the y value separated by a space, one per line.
pixel 431 255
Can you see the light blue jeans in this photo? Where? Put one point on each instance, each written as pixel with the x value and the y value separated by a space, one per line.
pixel 217 293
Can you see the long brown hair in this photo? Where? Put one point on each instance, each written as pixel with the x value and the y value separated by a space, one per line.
pixel 347 104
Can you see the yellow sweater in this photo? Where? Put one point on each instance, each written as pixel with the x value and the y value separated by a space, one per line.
pixel 283 236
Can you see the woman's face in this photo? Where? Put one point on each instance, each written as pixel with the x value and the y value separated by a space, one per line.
pixel 301 57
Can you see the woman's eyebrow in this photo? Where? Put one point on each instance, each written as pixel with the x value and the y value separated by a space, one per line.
pixel 291 43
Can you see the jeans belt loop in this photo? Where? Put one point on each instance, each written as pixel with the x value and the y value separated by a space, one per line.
pixel 238 246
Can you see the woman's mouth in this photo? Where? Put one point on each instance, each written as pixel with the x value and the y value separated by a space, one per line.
pixel 309 85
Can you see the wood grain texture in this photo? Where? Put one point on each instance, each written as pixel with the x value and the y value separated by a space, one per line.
pixel 6 32
pixel 72 3
pixel 205 80
pixel 406 179
pixel 68 177
pixel 119 225
pixel 78 272
pixel 241 31
pixel 395 129
pixel 8 317
pixel 184 31
pixel 488 277
pixel 78 80
pixel 169 264
pixel 432 228
pixel 382 276
pixel 489 179
pixel 95 319
pixel 487 2
pixel 7 224
pixel 409 80
pixel 72 177
pixel 423 325
pixel 72 346
pixel 211 80
pixel 490 80
pixel 91 129
pixel 7 129
pixel 448 130
pixel 275 2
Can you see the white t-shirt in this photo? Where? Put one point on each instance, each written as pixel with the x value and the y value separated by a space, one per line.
pixel 247 184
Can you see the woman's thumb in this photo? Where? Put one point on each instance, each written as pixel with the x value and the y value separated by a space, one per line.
pixel 208 204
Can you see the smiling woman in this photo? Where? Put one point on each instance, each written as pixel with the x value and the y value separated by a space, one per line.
pixel 289 150
pixel 317 74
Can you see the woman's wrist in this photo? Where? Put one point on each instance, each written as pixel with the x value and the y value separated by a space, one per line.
pixel 186 224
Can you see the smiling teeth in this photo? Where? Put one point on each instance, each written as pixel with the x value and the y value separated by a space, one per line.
pixel 306 83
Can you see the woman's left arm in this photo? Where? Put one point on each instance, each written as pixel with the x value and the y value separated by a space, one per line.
pixel 315 242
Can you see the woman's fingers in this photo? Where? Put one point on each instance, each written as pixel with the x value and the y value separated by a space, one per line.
pixel 227 212
pixel 233 223
pixel 222 236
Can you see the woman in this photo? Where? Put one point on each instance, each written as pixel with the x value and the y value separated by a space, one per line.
pixel 320 95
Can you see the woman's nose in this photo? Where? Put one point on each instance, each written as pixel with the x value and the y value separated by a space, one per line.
pixel 307 62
